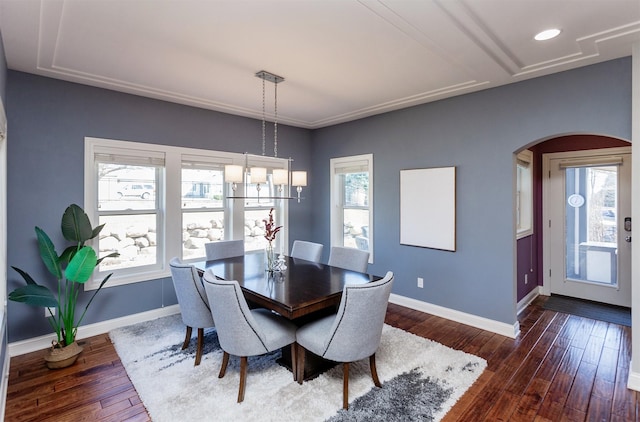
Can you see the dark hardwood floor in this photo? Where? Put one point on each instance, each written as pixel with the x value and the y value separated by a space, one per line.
pixel 561 368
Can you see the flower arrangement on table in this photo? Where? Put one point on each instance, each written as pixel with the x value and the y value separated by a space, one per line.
pixel 270 232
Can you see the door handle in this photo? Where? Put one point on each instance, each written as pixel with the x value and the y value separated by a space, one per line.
pixel 628 239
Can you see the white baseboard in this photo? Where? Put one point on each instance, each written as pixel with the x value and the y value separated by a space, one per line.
pixel 38 343
pixel 633 382
pixel 526 301
pixel 497 327
pixel 42 342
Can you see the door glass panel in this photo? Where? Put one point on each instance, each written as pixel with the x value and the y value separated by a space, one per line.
pixel 591 208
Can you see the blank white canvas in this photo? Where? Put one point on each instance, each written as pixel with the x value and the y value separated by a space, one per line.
pixel 428 208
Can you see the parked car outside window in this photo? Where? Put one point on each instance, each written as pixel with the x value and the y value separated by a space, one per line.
pixel 137 190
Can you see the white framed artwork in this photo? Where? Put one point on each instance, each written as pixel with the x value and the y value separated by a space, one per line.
pixel 428 208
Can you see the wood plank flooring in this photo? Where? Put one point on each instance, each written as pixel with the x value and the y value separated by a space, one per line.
pixel 561 368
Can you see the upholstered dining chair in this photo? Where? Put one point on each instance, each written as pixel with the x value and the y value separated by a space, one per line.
pixel 349 258
pixel 350 335
pixel 224 249
pixel 192 299
pixel 243 332
pixel 309 251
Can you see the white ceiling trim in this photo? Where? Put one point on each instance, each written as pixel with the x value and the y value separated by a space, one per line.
pixel 413 100
pixel 588 48
pixel 342 60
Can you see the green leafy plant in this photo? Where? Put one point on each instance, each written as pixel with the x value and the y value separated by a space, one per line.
pixel 71 269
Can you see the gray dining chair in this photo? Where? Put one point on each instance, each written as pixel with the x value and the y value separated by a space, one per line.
pixel 349 258
pixel 192 299
pixel 243 332
pixel 309 251
pixel 352 334
pixel 224 249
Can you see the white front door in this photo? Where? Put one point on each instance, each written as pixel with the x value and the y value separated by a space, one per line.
pixel 587 225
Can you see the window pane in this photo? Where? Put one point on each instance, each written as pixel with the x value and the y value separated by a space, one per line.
pixel 132 236
pixel 266 190
pixel 356 189
pixel 356 228
pixel 254 229
pixel 199 228
pixel 202 188
pixel 122 186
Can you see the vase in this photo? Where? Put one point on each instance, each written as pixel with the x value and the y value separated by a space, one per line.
pixel 270 258
pixel 61 357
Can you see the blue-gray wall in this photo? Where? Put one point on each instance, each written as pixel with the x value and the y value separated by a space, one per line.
pixel 478 133
pixel 49 119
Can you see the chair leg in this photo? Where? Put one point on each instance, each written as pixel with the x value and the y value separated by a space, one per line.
pixel 199 347
pixel 345 385
pixel 374 372
pixel 294 361
pixel 300 352
pixel 225 362
pixel 187 338
pixel 243 378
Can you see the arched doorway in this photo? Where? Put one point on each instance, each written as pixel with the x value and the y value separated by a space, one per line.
pixel 529 253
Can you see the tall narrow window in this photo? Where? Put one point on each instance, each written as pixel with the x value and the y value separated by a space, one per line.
pixel 203 202
pixel 256 209
pixel 524 194
pixel 352 202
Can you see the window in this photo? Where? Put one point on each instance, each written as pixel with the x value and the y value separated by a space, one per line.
pixel 524 193
pixel 352 202
pixel 256 210
pixel 129 208
pixel 202 185
pixel 159 201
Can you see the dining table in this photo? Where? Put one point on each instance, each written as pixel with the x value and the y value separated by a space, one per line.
pixel 304 288
pixel 303 292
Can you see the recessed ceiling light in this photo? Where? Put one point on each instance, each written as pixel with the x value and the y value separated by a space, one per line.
pixel 547 34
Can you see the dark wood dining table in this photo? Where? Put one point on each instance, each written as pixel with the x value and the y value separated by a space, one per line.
pixel 304 288
pixel 305 291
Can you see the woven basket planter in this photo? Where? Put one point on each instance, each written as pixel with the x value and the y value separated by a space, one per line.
pixel 62 357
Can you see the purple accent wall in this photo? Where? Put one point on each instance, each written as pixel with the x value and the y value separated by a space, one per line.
pixel 529 256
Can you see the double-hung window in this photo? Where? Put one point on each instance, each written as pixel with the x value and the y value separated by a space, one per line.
pixel 127 186
pixel 352 202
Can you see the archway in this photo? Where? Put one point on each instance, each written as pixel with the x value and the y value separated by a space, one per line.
pixel 529 258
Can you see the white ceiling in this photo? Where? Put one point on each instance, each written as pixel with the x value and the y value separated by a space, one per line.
pixel 341 59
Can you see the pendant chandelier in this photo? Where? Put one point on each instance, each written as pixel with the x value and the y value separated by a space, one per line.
pixel 282 178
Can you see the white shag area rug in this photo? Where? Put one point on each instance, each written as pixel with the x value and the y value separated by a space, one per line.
pixel 421 380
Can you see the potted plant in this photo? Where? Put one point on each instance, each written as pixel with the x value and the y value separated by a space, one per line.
pixel 71 269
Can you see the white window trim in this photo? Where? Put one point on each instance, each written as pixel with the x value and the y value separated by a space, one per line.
pixel 336 209
pixel 526 156
pixel 172 241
